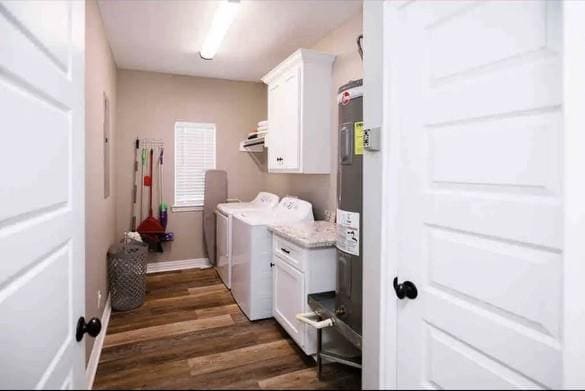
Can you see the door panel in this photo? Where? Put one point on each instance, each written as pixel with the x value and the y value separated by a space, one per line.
pixel 474 92
pixel 275 125
pixel 527 150
pixel 452 363
pixel 42 202
pixel 289 297
pixel 479 263
pixel 291 109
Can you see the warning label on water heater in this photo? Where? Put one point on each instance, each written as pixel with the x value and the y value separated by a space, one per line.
pixel 348 232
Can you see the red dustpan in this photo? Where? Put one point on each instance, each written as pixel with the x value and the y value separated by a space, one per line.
pixel 150 225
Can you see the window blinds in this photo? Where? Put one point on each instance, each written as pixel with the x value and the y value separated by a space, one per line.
pixel 194 154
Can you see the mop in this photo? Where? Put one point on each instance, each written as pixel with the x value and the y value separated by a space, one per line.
pixel 163 208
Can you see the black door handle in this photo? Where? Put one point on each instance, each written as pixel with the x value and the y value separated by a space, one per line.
pixel 272 264
pixel 93 328
pixel 405 289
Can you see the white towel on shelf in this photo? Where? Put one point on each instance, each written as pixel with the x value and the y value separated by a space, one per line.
pixel 263 124
pixel 260 133
pixel 262 128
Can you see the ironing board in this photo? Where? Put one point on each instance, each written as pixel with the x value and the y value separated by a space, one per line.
pixel 215 193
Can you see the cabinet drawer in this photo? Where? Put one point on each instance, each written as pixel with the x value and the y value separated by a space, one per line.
pixel 289 252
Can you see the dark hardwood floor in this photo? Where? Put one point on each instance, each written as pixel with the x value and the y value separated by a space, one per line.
pixel 190 334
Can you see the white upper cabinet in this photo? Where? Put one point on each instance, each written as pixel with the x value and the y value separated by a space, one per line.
pixel 299 113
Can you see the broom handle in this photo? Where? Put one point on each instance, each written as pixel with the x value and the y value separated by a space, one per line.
pixel 151 155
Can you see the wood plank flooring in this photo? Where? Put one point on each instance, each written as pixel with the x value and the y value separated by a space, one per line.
pixel 190 334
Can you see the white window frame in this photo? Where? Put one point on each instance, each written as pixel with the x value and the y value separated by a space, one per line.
pixel 195 206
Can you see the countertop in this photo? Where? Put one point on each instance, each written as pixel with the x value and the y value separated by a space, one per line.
pixel 313 234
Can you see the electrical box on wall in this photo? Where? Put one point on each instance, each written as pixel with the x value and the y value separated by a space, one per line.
pixel 372 139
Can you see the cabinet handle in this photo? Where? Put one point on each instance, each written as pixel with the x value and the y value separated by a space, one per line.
pixel 284 250
pixel 272 264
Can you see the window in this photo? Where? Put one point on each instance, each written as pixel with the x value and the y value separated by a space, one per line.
pixel 194 154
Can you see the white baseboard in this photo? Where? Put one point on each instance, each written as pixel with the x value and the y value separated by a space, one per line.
pixel 98 344
pixel 157 267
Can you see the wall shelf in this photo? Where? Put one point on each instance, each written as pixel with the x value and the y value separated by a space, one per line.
pixel 253 145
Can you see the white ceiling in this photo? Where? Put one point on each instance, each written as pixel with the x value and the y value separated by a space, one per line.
pixel 165 36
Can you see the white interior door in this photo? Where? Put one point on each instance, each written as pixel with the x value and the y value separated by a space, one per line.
pixel 474 115
pixel 42 197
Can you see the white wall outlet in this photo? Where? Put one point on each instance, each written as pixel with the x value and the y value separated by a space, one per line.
pixel 99 299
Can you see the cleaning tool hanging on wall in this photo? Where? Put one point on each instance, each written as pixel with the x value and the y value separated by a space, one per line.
pixel 135 189
pixel 150 225
pixel 148 178
pixel 142 166
pixel 163 207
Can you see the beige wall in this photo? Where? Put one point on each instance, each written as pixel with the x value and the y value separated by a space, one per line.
pixel 321 190
pixel 100 77
pixel 148 106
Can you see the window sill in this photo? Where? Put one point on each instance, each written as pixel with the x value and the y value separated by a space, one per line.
pixel 179 209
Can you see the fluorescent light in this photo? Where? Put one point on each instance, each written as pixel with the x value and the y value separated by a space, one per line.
pixel 223 18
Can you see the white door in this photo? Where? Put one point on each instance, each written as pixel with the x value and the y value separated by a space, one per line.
pixel 288 298
pixel 42 193
pixel 474 133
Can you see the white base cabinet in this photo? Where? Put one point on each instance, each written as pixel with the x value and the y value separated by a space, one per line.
pixel 298 272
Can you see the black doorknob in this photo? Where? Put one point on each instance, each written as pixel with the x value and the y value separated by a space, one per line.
pixel 93 328
pixel 405 289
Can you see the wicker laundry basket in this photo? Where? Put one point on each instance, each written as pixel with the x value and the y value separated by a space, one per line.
pixel 127 274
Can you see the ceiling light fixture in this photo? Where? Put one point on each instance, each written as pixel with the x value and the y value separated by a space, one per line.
pixel 223 18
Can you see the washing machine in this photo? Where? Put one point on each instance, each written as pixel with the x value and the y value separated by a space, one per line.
pixel 252 253
pixel 224 212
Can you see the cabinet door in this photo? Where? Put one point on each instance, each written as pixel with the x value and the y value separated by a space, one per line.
pixel 290 107
pixel 288 298
pixel 275 126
